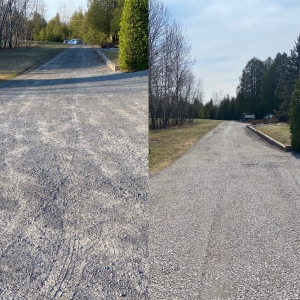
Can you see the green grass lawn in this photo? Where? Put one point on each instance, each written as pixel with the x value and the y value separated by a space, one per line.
pixel 279 132
pixel 166 145
pixel 16 61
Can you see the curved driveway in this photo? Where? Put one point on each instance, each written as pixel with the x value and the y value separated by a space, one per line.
pixel 73 181
pixel 225 221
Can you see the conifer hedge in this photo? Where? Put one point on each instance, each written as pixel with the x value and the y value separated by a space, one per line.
pixel 294 115
pixel 133 36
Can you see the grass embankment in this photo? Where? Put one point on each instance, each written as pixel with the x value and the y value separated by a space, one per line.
pixel 169 144
pixel 16 61
pixel 279 132
pixel 112 55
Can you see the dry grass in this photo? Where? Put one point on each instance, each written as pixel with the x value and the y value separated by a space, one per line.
pixel 112 55
pixel 264 121
pixel 16 61
pixel 280 132
pixel 169 144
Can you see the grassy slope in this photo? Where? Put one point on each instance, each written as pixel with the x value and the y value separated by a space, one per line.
pixel 112 55
pixel 16 61
pixel 280 132
pixel 169 144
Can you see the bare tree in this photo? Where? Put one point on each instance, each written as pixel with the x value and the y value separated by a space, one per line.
pixel 65 11
pixel 217 97
pixel 198 91
pixel 171 79
pixel 14 21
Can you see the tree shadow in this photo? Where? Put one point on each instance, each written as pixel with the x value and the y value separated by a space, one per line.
pixel 22 83
pixel 295 154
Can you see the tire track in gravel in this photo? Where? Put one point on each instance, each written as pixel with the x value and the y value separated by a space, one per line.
pixel 73 181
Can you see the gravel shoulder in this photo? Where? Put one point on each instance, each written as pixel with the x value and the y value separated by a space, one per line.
pixel 73 181
pixel 224 221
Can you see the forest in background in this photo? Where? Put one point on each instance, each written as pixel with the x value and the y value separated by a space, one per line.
pixel 265 87
pixel 23 21
pixel 176 95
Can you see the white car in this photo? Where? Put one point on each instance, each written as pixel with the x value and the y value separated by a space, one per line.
pixel 75 42
pixel 269 117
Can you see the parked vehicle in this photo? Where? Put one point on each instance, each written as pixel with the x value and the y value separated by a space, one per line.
pixel 66 41
pixel 75 42
pixel 269 116
pixel 246 116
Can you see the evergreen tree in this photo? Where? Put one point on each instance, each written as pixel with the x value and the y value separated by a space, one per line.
pixel 36 25
pixel 133 36
pixel 294 114
pixel 250 84
pixel 287 80
pixel 224 109
pixel 55 31
pixel 116 20
pixel 209 111
pixel 76 25
pixel 98 19
pixel 269 102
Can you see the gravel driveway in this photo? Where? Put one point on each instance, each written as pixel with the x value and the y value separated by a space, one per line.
pixel 73 181
pixel 225 221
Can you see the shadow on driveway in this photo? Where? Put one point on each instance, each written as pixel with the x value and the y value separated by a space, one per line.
pixel 17 83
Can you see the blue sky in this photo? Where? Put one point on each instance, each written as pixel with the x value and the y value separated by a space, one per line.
pixel 226 34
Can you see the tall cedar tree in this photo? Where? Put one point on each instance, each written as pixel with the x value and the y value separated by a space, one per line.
pixel 115 22
pixel 287 81
pixel 133 36
pixel 294 115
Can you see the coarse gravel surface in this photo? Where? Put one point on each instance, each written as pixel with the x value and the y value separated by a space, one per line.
pixel 224 221
pixel 73 181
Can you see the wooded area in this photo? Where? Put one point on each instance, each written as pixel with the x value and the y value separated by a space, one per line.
pixel 104 21
pixel 265 87
pixel 172 85
pixel 176 96
pixel 22 21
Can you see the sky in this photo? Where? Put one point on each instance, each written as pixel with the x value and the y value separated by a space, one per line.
pixel 53 6
pixel 226 34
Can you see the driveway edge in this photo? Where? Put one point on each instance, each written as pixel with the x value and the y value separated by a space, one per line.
pixel 108 62
pixel 270 140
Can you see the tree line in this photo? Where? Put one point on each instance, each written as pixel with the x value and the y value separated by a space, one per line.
pixel 174 91
pixel 99 24
pixel 265 87
pixel 19 21
pixel 94 26
pixel 22 21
